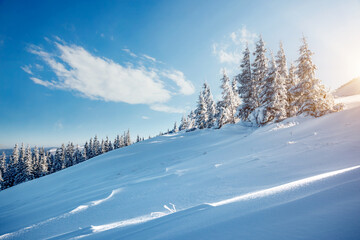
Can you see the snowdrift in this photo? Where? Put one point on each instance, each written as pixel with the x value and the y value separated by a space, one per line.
pixel 298 179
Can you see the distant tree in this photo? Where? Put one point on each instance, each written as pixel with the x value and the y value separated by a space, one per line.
pixel 43 169
pixel 36 163
pixel 96 147
pixel 127 138
pixel 175 128
pixel 111 146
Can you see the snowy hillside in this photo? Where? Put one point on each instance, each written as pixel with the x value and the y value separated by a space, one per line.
pixel 348 89
pixel 295 180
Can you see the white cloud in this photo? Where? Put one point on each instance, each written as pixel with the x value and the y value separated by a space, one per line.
pixel 145 117
pixel 149 58
pixel 39 67
pixel 103 79
pixel 243 36
pixel 165 108
pixel 186 87
pixel 230 50
pixel 27 69
pixel 43 83
pixel 129 52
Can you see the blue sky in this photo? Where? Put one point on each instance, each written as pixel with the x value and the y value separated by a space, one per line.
pixel 73 69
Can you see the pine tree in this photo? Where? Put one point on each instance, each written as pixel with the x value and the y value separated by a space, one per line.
pixel 312 97
pixel 175 128
pixel 3 169
pixel 91 153
pixel 247 87
pixel 229 103
pixel 111 146
pixel 127 138
pixel 273 98
pixel 191 121
pixel 43 169
pixel 69 155
pixel 201 112
pixel 210 106
pixel 102 147
pixel 291 82
pixel 86 150
pixel 36 163
pixel 184 123
pixel 3 163
pixel 106 144
pixel 259 71
pixel 96 147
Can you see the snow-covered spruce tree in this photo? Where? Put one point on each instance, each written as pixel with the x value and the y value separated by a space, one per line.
pixel 291 82
pixel 69 155
pixel 201 112
pixel 311 96
pixel 191 119
pixel 43 162
pixel 210 106
pixel 259 72
pixel 36 162
pixel 228 105
pixel 96 147
pixel 9 175
pixel 127 138
pixel 183 123
pixel 3 163
pixel 247 87
pixel 3 169
pixel 273 97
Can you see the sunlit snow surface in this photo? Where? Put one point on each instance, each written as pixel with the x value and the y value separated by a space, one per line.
pixel 298 179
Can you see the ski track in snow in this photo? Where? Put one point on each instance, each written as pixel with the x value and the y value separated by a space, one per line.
pixel 282 188
pixel 65 215
pixel 246 197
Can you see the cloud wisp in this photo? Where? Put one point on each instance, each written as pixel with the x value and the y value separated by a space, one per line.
pixel 230 50
pixel 100 78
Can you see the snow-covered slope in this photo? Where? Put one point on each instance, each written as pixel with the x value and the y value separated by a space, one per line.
pixel 348 89
pixel 295 180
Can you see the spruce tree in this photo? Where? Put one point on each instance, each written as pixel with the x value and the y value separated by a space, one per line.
pixel 43 162
pixel 291 82
pixel 36 163
pixel 229 103
pixel 312 97
pixel 183 124
pixel 127 138
pixel 201 112
pixel 259 71
pixel 210 106
pixel 247 87
pixel 273 98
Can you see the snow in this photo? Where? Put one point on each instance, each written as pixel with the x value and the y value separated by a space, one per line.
pixel 281 181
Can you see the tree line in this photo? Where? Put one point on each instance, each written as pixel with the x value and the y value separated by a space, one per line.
pixel 25 164
pixel 265 91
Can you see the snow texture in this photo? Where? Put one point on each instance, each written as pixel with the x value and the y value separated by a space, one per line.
pixel 298 179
